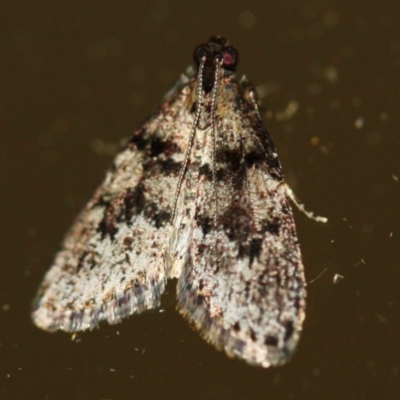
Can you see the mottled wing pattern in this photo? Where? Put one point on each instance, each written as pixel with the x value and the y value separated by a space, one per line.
pixel 198 194
pixel 112 261
pixel 243 283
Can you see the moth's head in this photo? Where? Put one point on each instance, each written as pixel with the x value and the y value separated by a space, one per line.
pixel 217 50
pixel 212 55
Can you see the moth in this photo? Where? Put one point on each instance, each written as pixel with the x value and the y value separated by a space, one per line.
pixel 198 195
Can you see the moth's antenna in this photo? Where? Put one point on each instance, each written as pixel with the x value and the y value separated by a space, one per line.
pixel 214 139
pixel 199 102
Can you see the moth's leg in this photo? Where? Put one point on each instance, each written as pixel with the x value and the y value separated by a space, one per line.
pixel 301 207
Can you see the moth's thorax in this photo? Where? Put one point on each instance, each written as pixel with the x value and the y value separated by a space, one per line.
pixel 224 99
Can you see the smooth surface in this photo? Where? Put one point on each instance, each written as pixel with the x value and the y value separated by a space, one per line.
pixel 77 77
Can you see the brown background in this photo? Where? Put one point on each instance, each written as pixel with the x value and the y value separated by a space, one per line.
pixel 76 77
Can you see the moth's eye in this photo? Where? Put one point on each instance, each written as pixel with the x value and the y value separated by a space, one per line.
pixel 199 53
pixel 230 58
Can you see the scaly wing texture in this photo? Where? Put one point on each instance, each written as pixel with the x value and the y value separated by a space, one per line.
pixel 243 283
pixel 112 261
pixel 232 243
